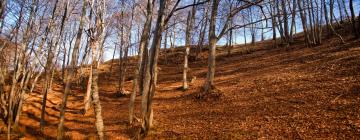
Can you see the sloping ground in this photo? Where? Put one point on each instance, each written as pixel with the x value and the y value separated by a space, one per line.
pixel 281 93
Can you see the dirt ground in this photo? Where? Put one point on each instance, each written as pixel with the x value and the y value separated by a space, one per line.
pixel 280 93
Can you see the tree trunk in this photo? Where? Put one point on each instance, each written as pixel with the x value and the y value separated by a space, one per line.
pixel 3 4
pixel 97 36
pixel 340 11
pixel 311 21
pixel 26 78
pixel 212 48
pixel 330 25
pixel 353 21
pixel 231 41
pixel 293 17
pixel 151 72
pixel 132 101
pixel 331 3
pixel 285 18
pixel 345 9
pixel 165 46
pixel 303 21
pixel 47 69
pixel 202 33
pixel 280 23
pixel 189 29
pixel 143 52
pixel 112 60
pixel 122 56
pixel 244 36
pixel 72 69
pixel 273 22
pixel 95 94
pixel 87 98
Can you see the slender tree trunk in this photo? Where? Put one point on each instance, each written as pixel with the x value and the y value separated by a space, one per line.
pixel 330 25
pixel 318 23
pixel 311 21
pixel 353 21
pixel 165 46
pixel 273 22
pixel 212 48
pixel 285 19
pixel 35 81
pixel 202 34
pixel 47 69
pixel 326 19
pixel 132 101
pixel 230 39
pixel 143 51
pixel 87 98
pixel 26 78
pixel 280 23
pixel 331 3
pixel 97 36
pixel 15 78
pixel 293 17
pixel 151 72
pixel 303 21
pixel 26 71
pixel 112 60
pixel 121 58
pixel 244 36
pixel 189 29
pixel 173 41
pixel 340 10
pixel 345 9
pixel 95 93
pixel 3 4
pixel 72 69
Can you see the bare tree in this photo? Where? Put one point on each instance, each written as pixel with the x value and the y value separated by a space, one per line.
pixel 213 38
pixel 203 29
pixel 332 30
pixel 97 34
pixel 48 66
pixel 189 28
pixel 72 69
pixel 355 31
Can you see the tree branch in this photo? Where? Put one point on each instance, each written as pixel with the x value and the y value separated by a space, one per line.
pixel 233 13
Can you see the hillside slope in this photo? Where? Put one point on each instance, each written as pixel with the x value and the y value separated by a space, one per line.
pixel 272 93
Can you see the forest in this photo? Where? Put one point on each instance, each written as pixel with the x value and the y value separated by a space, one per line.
pixel 179 69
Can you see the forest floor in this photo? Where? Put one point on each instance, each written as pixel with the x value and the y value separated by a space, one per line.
pixel 295 92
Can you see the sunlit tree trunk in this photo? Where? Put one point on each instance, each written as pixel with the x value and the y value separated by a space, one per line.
pixel 72 68
pixel 212 47
pixel 151 72
pixel 48 69
pixel 133 95
pixel 144 41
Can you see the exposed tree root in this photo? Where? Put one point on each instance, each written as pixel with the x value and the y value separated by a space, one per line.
pixel 212 94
